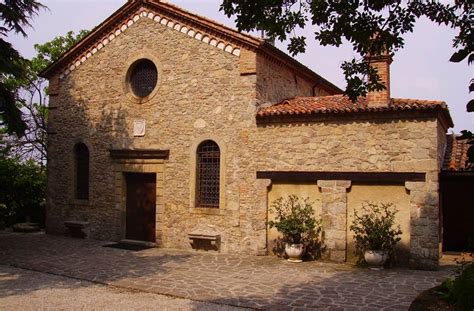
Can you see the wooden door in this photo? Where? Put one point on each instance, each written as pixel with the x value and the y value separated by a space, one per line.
pixel 141 207
pixel 458 213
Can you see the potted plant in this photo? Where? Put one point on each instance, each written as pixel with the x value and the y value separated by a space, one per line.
pixel 295 220
pixel 375 233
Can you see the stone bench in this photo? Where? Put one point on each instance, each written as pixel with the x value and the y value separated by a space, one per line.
pixel 77 229
pixel 204 240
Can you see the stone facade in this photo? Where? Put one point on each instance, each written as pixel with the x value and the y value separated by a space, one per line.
pixel 374 145
pixel 213 91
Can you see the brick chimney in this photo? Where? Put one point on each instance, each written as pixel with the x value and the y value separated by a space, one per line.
pixel 381 63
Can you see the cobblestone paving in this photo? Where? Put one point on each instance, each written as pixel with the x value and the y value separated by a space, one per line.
pixel 28 290
pixel 246 281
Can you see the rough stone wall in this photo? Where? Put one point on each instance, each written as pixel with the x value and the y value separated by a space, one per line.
pixel 363 146
pixel 276 82
pixel 334 217
pixel 442 142
pixel 201 96
pixel 356 145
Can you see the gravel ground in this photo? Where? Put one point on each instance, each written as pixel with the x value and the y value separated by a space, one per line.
pixel 28 290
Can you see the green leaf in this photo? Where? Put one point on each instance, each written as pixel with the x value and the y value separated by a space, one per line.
pixel 466 134
pixel 459 55
pixel 470 106
pixel 470 154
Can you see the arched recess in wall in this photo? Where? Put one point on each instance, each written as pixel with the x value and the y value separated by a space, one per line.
pixel 81 159
pixel 208 161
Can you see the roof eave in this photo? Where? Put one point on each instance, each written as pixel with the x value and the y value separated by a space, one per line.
pixel 245 40
pixel 445 117
pixel 93 35
pixel 315 116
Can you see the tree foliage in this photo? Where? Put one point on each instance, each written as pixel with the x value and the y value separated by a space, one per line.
pixel 32 98
pixel 22 191
pixel 370 26
pixel 14 17
pixel 22 159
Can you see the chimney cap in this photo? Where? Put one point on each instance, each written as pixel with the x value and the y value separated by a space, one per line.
pixel 379 58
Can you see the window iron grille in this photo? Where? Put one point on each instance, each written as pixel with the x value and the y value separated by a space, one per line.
pixel 143 78
pixel 208 175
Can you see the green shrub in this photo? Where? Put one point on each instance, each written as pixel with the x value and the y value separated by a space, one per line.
pixel 459 291
pixel 22 191
pixel 3 214
pixel 295 219
pixel 375 228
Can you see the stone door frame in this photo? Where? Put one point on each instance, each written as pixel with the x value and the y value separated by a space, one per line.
pixel 139 166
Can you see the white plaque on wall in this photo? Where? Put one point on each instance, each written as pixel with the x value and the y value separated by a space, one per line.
pixel 139 127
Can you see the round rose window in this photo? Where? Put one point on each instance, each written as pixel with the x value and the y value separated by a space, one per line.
pixel 143 78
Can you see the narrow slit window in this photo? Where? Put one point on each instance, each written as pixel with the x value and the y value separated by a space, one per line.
pixel 82 171
pixel 208 175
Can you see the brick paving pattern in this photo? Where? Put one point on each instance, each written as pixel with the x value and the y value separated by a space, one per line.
pixel 245 281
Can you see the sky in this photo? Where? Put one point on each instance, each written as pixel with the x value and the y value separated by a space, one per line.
pixel 420 70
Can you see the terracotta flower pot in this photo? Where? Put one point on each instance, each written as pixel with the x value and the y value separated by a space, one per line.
pixel 294 252
pixel 375 259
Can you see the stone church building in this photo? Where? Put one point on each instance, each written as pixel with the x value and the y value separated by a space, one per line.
pixel 166 126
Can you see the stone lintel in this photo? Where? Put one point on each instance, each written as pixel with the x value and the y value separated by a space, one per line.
pixel 139 154
pixel 334 183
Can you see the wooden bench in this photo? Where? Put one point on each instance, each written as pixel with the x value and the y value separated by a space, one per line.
pixel 77 229
pixel 206 241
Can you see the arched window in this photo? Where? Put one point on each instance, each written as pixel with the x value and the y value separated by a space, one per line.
pixel 208 174
pixel 81 154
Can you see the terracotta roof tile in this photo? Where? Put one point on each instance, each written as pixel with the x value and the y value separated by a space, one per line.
pixel 455 158
pixel 339 104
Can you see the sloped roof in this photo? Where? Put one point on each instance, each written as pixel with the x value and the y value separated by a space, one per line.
pixel 455 159
pixel 340 104
pixel 133 10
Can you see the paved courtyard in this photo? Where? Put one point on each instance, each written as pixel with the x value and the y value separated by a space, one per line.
pixel 27 290
pixel 245 281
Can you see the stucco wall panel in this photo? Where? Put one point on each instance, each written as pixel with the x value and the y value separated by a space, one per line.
pixel 396 194
pixel 304 190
